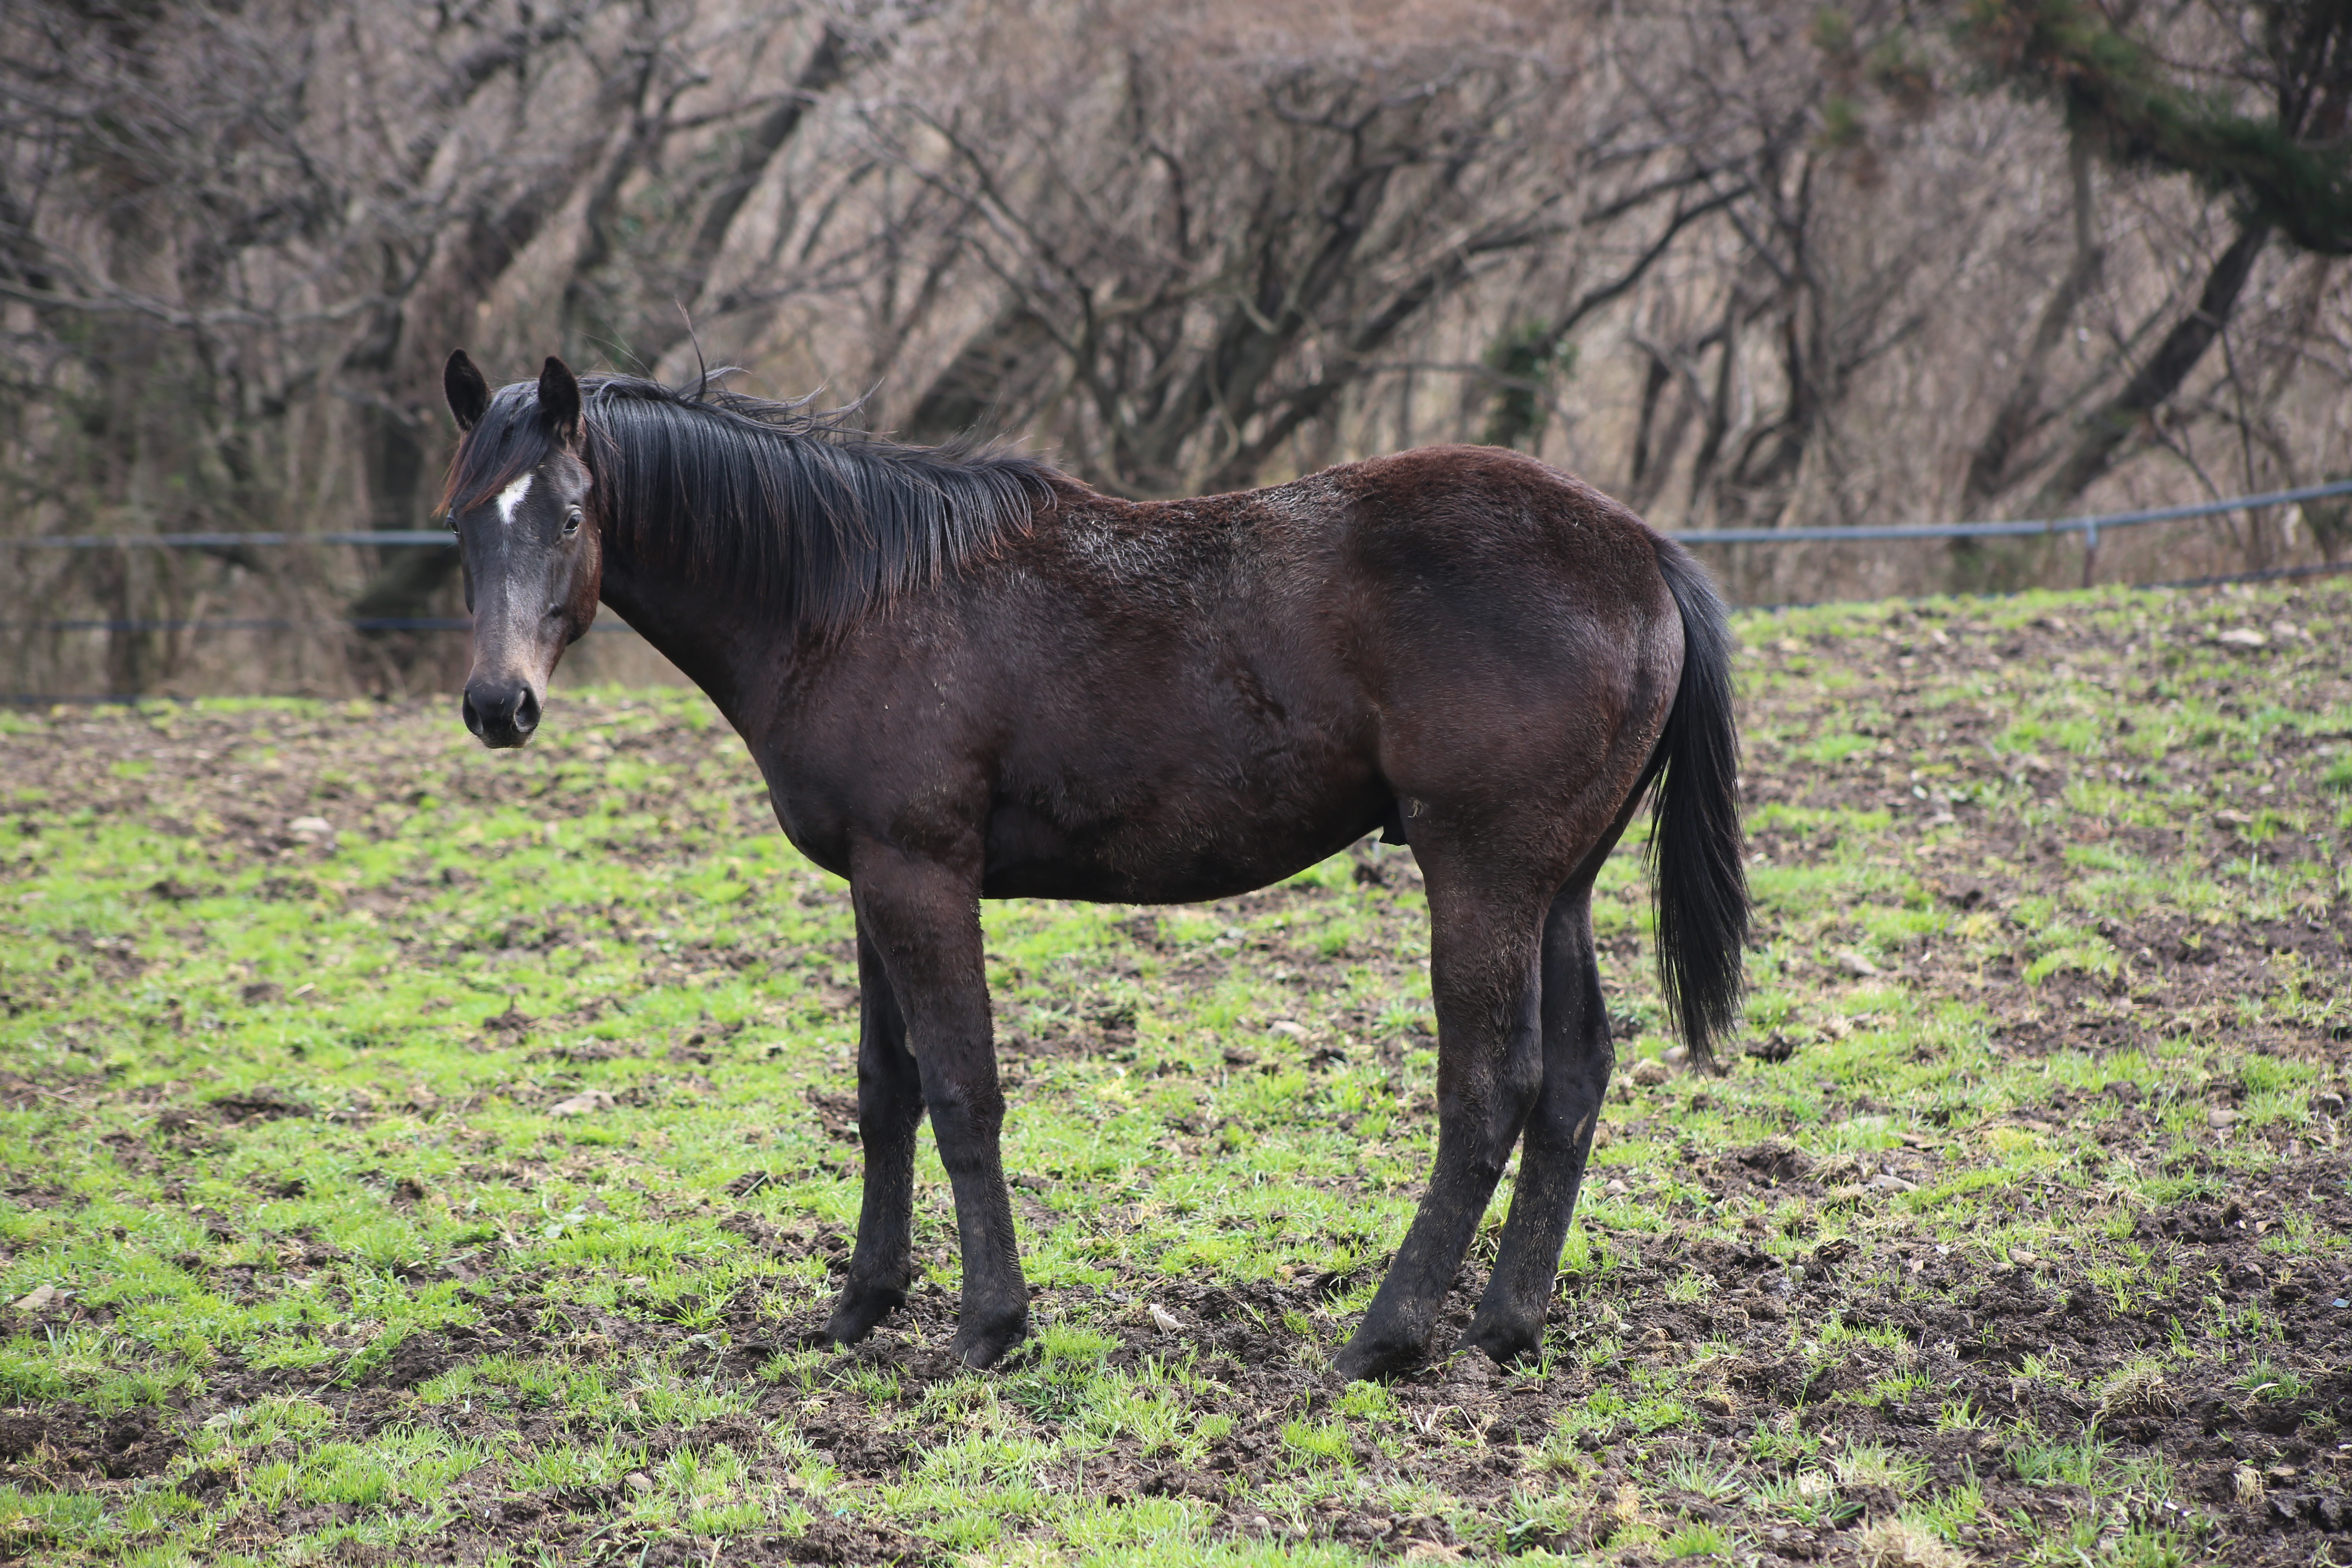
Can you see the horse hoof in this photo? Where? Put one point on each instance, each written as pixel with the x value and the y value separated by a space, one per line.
pixel 859 1309
pixel 981 1345
pixel 1506 1342
pixel 1363 1362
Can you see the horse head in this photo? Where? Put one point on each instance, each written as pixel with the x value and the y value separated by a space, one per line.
pixel 521 500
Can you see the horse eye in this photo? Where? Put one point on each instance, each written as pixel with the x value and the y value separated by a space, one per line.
pixel 571 521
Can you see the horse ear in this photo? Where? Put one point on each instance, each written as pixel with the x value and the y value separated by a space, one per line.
pixel 559 399
pixel 468 393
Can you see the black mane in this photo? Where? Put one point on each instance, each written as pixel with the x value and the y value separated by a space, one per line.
pixel 836 521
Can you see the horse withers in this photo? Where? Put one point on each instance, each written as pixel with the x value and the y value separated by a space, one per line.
pixel 967 675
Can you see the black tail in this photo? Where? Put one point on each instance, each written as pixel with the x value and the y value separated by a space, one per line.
pixel 1697 853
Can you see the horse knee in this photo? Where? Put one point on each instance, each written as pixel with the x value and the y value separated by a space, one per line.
pixel 1521 1085
pixel 1518 1091
pixel 964 1115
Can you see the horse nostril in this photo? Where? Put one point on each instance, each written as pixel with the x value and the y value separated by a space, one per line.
pixel 500 714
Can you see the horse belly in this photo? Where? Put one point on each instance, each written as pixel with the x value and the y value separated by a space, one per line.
pixel 1169 858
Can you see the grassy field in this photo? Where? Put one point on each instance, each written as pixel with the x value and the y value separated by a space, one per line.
pixel 414 1154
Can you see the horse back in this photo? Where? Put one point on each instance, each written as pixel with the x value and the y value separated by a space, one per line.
pixel 1181 699
pixel 1481 535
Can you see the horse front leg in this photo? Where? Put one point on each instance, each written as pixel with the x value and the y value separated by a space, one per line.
pixel 922 917
pixel 890 1109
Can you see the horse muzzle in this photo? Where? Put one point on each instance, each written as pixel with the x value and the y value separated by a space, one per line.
pixel 500 714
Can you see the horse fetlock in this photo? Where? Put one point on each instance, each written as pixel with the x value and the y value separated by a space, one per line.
pixel 1507 1335
pixel 1371 1356
pixel 986 1332
pixel 863 1304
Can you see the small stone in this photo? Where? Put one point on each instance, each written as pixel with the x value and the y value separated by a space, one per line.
pixel 638 1481
pixel 1291 1027
pixel 310 828
pixel 2218 1119
pixel 2024 1258
pixel 1168 1321
pixel 1853 963
pixel 39 1298
pixel 582 1104
pixel 1649 1072
pixel 2243 636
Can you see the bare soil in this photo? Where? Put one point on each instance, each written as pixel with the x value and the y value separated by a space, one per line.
pixel 1764 1242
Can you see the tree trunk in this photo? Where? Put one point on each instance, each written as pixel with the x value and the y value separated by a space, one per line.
pixel 1990 464
pixel 825 70
pixel 2105 431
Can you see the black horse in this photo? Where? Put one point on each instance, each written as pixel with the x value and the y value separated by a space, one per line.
pixel 967 675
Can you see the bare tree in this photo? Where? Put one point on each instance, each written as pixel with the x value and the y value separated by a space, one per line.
pixel 1747 264
pixel 255 230
pixel 2268 142
pixel 1200 254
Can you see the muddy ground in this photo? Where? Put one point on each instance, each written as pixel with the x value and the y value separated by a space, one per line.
pixel 2018 1233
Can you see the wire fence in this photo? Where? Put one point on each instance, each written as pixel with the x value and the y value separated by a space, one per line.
pixel 2089 526
pixel 441 537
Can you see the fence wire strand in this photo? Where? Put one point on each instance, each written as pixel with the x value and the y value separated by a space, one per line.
pixel 2089 526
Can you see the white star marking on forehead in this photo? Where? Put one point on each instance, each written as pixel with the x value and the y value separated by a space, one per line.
pixel 511 498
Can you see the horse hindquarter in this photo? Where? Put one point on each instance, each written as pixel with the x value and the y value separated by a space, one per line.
pixel 1533 650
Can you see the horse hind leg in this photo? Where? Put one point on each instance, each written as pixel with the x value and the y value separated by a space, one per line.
pixel 1577 1060
pixel 1483 979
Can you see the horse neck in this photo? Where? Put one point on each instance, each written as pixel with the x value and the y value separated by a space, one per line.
pixel 699 626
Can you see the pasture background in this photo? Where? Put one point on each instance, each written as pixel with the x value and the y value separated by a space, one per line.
pixel 1737 262
pixel 454 1178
